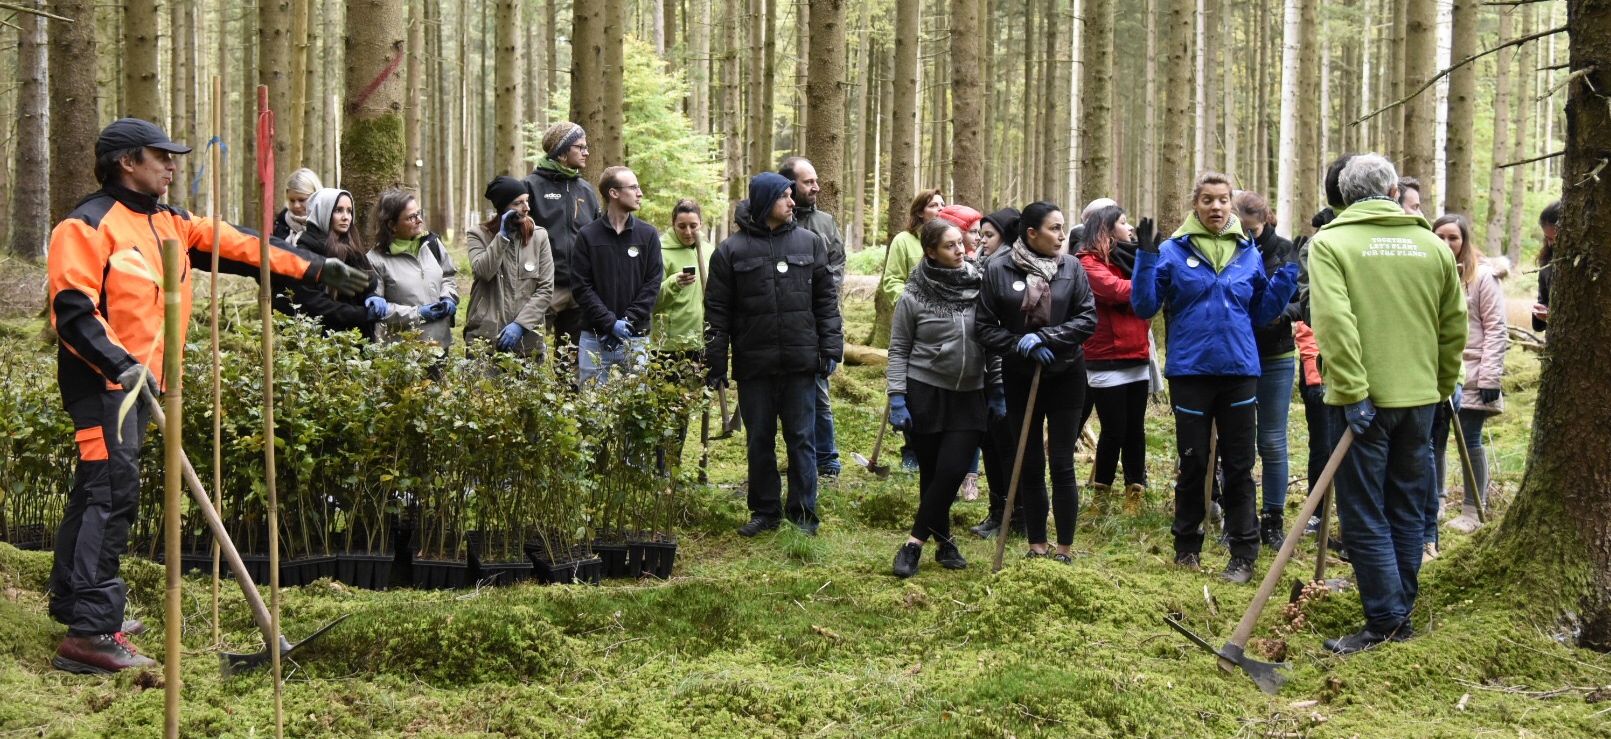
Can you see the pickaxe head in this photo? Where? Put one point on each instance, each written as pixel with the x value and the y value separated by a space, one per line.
pixel 881 470
pixel 1269 676
pixel 235 664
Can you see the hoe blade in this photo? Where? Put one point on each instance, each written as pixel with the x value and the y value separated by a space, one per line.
pixel 235 664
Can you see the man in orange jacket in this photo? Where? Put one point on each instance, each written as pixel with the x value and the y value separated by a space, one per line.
pixel 106 305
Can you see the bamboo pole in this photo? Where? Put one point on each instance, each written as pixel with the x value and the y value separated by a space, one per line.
pixel 265 174
pixel 172 483
pixel 215 212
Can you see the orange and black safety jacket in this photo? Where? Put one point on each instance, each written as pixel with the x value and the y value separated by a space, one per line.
pixel 105 273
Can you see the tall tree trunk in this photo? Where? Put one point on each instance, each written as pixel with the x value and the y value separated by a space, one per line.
pixel 1420 126
pixel 1174 177
pixel 274 69
pixel 1291 58
pixel 825 99
pixel 296 144
pixel 181 95
pixel 903 120
pixel 758 129
pixel 30 205
pixel 1059 91
pixel 613 150
pixel 1522 104
pixel 73 127
pixel 140 66
pixel 1494 226
pixel 1306 193
pixel 671 22
pixel 1148 206
pixel 769 75
pixel 372 146
pixel 1396 90
pixel 1096 102
pixel 551 49
pixel 731 106
pixel 414 93
pixel 587 78
pixel 1202 116
pixel 699 65
pixel 440 173
pixel 967 105
pixel 802 63
pixel 1459 153
pixel 506 70
pixel 866 127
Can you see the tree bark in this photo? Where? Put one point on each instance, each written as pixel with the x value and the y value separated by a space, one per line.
pixel 414 97
pixel 1393 127
pixel 73 127
pixel 1291 58
pixel 758 130
pixel 181 96
pixel 769 98
pixel 825 100
pixel 1522 104
pixel 274 69
pixel 30 204
pixel 612 150
pixel 140 64
pixel 1200 121
pixel 506 72
pixel 1459 151
pixel 802 70
pixel 1174 178
pixel 587 78
pixel 372 146
pixel 1096 102
pixel 1420 125
pixel 1494 227
pixel 298 95
pixel 699 65
pixel 903 120
pixel 1306 192
pixel 1149 132
pixel 967 104
pixel 551 49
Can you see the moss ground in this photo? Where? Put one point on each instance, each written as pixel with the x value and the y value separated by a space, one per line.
pixel 785 635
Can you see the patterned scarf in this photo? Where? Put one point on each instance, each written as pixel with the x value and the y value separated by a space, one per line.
pixel 1038 273
pixel 945 290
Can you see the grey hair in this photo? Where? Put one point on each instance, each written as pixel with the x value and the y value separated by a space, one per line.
pixel 304 181
pixel 1365 176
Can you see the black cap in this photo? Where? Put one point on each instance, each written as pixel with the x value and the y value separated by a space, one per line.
pixel 132 133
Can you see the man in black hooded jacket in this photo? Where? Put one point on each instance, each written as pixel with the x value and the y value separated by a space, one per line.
pixel 772 306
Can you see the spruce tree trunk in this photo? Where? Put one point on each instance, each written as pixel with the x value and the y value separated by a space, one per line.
pixel 506 90
pixel 1522 103
pixel 1199 76
pixel 551 49
pixel 587 78
pixel 967 105
pixel 181 98
pixel 1396 90
pixel 1559 528
pixel 1286 205
pixel 1306 192
pixel 1148 206
pixel 372 146
pixel 414 95
pixel 296 143
pixel 825 100
pixel 1494 227
pixel 30 205
pixel 274 69
pixel 903 121
pixel 769 98
pixel 73 118
pixel 1174 177
pixel 802 68
pixel 1420 124
pixel 612 149
pixel 1460 150
pixel 758 130
pixel 140 65
pixel 699 65
pixel 1096 102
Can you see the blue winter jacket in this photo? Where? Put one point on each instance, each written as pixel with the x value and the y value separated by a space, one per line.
pixel 1209 317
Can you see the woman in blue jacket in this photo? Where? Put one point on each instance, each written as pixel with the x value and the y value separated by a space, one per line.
pixel 1209 280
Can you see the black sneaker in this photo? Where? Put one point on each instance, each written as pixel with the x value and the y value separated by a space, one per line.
pixel 907 559
pixel 1063 559
pixel 1272 530
pixel 1358 641
pixel 757 524
pixel 987 529
pixel 1032 554
pixel 949 556
pixel 1238 570
pixel 1189 560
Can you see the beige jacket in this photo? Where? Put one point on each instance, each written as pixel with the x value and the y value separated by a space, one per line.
pixel 1487 337
pixel 513 284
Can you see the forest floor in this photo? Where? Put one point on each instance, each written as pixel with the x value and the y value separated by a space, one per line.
pixel 786 635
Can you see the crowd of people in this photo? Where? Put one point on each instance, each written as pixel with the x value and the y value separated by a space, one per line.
pixel 1019 324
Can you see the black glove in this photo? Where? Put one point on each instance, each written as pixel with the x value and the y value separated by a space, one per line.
pixel 1490 395
pixel 1146 237
pixel 716 380
pixel 1298 245
pixel 342 278
pixel 1314 393
pixel 132 378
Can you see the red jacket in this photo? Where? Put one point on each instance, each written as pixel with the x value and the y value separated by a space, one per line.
pixel 1120 335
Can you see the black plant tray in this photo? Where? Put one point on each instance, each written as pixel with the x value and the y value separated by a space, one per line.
pixel 503 573
pixel 368 571
pixel 652 558
pixel 30 536
pixel 614 556
pixel 202 562
pixel 583 570
pixel 435 574
pixel 305 570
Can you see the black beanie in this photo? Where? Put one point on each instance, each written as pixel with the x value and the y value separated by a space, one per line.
pixel 503 190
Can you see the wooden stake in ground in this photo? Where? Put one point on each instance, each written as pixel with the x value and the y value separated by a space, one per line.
pixel 173 615
pixel 265 175
pixel 215 211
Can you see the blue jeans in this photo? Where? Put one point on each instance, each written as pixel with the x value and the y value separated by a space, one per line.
pixel 763 402
pixel 1275 402
pixel 827 450
pixel 595 361
pixel 1382 491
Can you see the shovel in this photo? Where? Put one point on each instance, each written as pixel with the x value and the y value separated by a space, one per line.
pixel 1017 469
pixel 1210 477
pixel 872 465
pixel 1269 676
pixel 1465 461
pixel 730 424
pixel 233 664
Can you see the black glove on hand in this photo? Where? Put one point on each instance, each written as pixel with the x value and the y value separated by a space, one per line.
pixel 342 278
pixel 1490 395
pixel 1146 237
pixel 1297 249
pixel 132 378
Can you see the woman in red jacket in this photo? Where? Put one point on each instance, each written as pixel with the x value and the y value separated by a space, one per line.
pixel 1116 357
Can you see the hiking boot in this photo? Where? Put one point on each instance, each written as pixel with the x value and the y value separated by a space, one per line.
pixel 1272 530
pixel 908 460
pixel 1063 559
pixel 949 556
pixel 907 558
pixel 1135 498
pixel 1465 523
pixel 1364 639
pixel 1032 554
pixel 1238 570
pixel 757 524
pixel 987 528
pixel 132 627
pixel 1100 498
pixel 1429 552
pixel 970 487
pixel 101 654
pixel 1189 560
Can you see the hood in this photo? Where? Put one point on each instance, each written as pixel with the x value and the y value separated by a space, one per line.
pixel 322 204
pixel 748 224
pixel 1194 227
pixel 1499 266
pixel 1376 213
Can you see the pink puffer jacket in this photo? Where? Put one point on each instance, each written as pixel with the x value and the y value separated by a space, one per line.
pixel 1487 337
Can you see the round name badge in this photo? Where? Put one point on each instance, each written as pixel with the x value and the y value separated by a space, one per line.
pixel 1192 262
pixel 783 267
pixel 1018 286
pixel 632 251
pixel 530 267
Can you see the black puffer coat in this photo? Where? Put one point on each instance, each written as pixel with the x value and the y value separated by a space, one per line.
pixel 1275 338
pixel 1000 323
pixel 771 303
pixel 334 312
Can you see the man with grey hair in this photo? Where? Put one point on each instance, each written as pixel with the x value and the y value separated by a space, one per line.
pixel 1390 318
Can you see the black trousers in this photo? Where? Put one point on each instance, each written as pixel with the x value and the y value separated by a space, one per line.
pixel 943 460
pixel 86 593
pixel 1056 418
pixel 1201 404
pixel 1123 410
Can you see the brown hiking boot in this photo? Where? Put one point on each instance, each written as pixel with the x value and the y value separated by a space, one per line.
pixel 1101 498
pixel 101 654
pixel 1135 497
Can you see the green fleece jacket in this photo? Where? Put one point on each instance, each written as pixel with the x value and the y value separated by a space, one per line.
pixel 1218 247
pixel 679 312
pixel 1388 310
pixel 903 255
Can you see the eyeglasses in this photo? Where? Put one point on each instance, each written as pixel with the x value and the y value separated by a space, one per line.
pixel 416 217
pixel 583 147
pixel 634 188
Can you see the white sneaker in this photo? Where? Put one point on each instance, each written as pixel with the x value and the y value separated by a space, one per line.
pixel 1429 552
pixel 1464 523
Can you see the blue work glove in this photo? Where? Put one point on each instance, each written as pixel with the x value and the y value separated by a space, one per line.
pixel 449 306
pixel 510 336
pixel 1028 343
pixel 432 312
pixel 1458 397
pixel 622 329
pixel 1490 395
pixel 996 399
pixel 1043 355
pixel 1360 415
pixel 510 225
pixel 377 307
pixel 1289 271
pixel 826 366
pixel 899 417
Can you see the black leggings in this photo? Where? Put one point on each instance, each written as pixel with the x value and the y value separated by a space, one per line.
pixel 1056 416
pixel 1123 410
pixel 943 460
pixel 1203 403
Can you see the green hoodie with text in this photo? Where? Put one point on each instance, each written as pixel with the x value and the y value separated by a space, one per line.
pixel 1388 310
